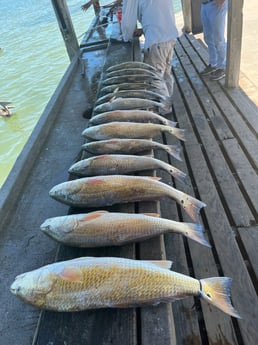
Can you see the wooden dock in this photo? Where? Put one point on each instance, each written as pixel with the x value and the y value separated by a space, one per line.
pixel 220 157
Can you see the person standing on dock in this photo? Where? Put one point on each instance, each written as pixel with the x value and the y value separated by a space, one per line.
pixel 213 15
pixel 160 31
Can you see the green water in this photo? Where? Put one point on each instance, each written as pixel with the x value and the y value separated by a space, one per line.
pixel 33 59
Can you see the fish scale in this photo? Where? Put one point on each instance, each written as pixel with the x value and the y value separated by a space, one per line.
pixel 90 283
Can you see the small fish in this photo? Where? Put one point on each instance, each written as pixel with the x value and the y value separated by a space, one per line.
pixel 115 189
pixel 122 164
pixel 127 104
pixel 131 64
pixel 131 71
pixel 91 283
pixel 131 116
pixel 130 78
pixel 145 94
pixel 130 130
pixel 100 228
pixel 129 146
pixel 131 86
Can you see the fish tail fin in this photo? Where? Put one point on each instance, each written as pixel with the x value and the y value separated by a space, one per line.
pixel 195 233
pixel 174 150
pixel 216 291
pixel 171 123
pixel 177 174
pixel 192 206
pixel 178 133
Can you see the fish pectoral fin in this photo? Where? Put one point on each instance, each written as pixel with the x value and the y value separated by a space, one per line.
pixel 93 215
pixel 157 215
pixel 72 274
pixel 154 178
pixel 166 264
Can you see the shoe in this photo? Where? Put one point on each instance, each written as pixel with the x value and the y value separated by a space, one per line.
pixel 208 70
pixel 218 74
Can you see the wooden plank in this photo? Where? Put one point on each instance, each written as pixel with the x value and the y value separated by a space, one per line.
pixel 221 232
pixel 216 322
pixel 207 119
pixel 250 242
pixel 246 174
pixel 242 125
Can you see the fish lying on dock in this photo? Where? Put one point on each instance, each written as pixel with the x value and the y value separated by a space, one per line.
pixel 131 71
pixel 100 228
pixel 122 164
pixel 91 283
pixel 129 146
pixel 145 94
pixel 131 86
pixel 130 78
pixel 130 116
pixel 115 189
pixel 5 110
pixel 129 103
pixel 131 64
pixel 130 130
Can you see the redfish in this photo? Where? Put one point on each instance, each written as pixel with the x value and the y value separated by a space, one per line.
pixel 131 71
pixel 131 64
pixel 130 116
pixel 128 103
pixel 101 228
pixel 132 130
pixel 114 189
pixel 130 146
pixel 122 164
pixel 131 86
pixel 92 283
pixel 146 94
pixel 131 78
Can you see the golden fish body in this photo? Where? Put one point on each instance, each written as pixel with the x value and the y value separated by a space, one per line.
pixel 113 189
pixel 90 283
pixel 130 116
pixel 100 228
pixel 130 130
pixel 127 104
pixel 122 164
pixel 129 146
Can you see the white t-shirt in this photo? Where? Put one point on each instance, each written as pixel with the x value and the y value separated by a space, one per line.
pixel 156 17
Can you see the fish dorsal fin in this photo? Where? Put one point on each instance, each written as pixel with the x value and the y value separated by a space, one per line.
pixel 166 264
pixel 72 274
pixel 156 178
pixel 93 215
pixel 157 215
pixel 112 99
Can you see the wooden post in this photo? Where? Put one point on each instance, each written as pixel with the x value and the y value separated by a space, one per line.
pixel 66 27
pixel 234 42
pixel 187 14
